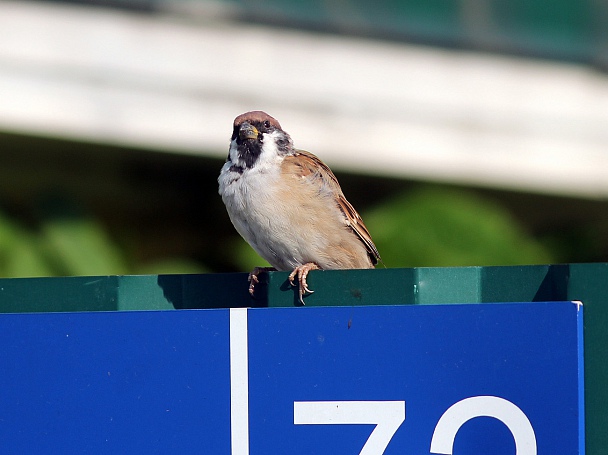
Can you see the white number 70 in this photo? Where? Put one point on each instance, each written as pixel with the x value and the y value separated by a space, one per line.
pixel 389 415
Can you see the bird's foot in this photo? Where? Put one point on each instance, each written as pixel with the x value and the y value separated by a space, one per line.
pixel 302 272
pixel 253 277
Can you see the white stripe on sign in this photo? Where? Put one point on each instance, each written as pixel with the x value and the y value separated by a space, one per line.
pixel 239 382
pixel 387 415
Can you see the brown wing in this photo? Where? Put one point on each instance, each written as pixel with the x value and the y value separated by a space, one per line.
pixel 310 165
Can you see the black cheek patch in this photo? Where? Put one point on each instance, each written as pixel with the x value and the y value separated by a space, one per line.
pixel 283 145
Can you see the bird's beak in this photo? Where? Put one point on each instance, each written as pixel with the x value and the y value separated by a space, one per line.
pixel 248 131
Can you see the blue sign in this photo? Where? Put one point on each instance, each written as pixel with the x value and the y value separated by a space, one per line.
pixel 437 379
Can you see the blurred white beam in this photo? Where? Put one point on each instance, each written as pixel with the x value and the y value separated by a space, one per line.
pixel 375 107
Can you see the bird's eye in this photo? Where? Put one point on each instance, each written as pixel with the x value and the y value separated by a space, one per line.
pixel 267 124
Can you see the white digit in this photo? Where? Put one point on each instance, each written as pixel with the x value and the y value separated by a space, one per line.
pixel 386 415
pixel 483 406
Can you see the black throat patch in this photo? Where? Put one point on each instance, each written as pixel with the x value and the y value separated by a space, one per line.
pixel 249 152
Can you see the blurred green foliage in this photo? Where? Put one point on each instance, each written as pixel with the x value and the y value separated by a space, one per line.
pixel 65 241
pixel 440 227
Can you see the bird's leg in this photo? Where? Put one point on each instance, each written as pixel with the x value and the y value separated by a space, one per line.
pixel 302 272
pixel 253 276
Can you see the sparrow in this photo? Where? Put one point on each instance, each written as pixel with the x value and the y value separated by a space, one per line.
pixel 288 205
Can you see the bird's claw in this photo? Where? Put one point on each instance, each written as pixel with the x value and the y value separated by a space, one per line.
pixel 253 280
pixel 253 277
pixel 302 272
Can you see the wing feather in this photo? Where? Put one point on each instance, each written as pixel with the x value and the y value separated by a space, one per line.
pixel 309 166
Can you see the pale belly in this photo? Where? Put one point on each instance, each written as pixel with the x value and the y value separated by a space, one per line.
pixel 288 229
pixel 263 218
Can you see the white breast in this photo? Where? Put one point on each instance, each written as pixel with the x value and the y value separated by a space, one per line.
pixel 251 201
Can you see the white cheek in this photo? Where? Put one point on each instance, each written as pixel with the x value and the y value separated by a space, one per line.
pixel 270 155
pixel 233 152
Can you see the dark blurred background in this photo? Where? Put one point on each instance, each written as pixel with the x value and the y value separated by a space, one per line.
pixel 466 132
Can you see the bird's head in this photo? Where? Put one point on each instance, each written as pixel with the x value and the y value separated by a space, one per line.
pixel 257 138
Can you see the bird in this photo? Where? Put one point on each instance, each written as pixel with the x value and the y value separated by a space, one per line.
pixel 288 205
